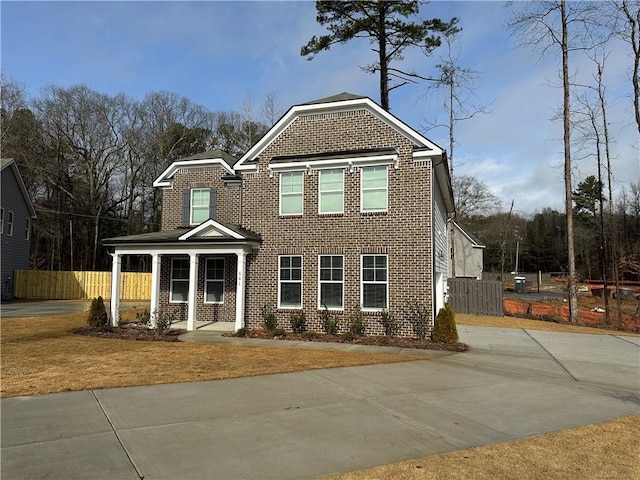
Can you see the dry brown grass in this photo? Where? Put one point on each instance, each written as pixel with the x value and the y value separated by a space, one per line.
pixel 40 355
pixel 609 450
pixel 514 322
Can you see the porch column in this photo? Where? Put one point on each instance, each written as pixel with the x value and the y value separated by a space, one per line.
pixel 193 288
pixel 155 289
pixel 240 289
pixel 116 267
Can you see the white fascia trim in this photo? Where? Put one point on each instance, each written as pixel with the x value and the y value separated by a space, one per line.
pixel 211 224
pixel 346 163
pixel 164 180
pixel 424 155
pixel 346 105
pixel 189 249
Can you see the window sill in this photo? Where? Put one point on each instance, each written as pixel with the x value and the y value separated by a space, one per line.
pixel 374 213
pixel 336 214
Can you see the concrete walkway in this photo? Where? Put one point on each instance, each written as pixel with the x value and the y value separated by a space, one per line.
pixel 512 384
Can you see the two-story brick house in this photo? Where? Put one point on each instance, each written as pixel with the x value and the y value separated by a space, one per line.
pixel 340 204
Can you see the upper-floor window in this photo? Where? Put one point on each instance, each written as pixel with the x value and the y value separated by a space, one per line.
pixel 199 205
pixel 331 282
pixel 373 194
pixel 179 280
pixel 290 282
pixel 374 282
pixel 9 229
pixel 27 233
pixel 331 191
pixel 214 281
pixel 291 186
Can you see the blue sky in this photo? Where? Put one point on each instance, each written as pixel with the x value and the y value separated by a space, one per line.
pixel 219 54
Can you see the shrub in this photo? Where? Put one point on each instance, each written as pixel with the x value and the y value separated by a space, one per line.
pixel 329 323
pixel 278 332
pixel 390 324
pixel 297 321
pixel 358 324
pixel 419 316
pixel 444 329
pixel 349 336
pixel 242 332
pixel 310 335
pixel 97 317
pixel 269 322
pixel 144 318
pixel 164 321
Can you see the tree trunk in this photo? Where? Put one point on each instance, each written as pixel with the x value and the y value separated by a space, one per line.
pixel 382 55
pixel 573 280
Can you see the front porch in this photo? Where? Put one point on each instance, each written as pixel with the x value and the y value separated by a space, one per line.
pixel 222 327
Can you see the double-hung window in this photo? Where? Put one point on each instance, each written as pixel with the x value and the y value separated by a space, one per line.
pixel 290 282
pixel 331 191
pixel 179 280
pixel 331 281
pixel 374 282
pixel 373 191
pixel 27 233
pixel 214 288
pixel 291 186
pixel 200 199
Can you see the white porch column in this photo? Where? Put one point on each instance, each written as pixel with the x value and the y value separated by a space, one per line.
pixel 116 267
pixel 155 288
pixel 240 289
pixel 193 288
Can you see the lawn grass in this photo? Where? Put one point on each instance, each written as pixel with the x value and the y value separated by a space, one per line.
pixel 40 355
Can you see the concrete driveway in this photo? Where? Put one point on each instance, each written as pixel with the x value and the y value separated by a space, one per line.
pixel 512 384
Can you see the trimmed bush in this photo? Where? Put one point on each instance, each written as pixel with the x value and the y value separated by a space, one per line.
pixel 329 323
pixel 97 317
pixel 444 330
pixel 390 324
pixel 297 321
pixel 358 324
pixel 269 322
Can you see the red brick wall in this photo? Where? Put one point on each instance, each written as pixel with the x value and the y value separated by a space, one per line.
pixel 403 233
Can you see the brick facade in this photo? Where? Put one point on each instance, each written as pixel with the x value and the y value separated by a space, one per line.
pixel 403 233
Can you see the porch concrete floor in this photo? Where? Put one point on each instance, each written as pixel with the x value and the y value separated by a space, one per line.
pixel 207 326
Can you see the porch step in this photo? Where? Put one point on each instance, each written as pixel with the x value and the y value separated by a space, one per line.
pixel 207 326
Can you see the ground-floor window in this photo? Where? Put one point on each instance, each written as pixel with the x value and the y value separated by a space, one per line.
pixel 179 280
pixel 374 282
pixel 331 282
pixel 290 282
pixel 214 282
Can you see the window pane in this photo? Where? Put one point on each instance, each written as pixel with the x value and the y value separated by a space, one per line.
pixel 374 177
pixel 296 274
pixel 368 261
pixel 374 296
pixel 291 182
pixel 331 295
pixel 374 200
pixel 215 269
pixel 291 204
pixel 179 291
pixel 214 292
pixel 296 262
pixel 290 295
pixel 331 202
pixel 180 269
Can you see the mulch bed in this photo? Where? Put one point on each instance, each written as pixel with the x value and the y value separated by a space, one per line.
pixel 130 332
pixel 377 341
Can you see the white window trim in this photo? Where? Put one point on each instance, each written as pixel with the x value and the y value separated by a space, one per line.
pixel 207 280
pixel 281 194
pixel 386 207
pixel 362 282
pixel 1 221
pixel 287 307
pixel 199 207
pixel 9 223
pixel 27 234
pixel 320 282
pixel 171 280
pixel 320 191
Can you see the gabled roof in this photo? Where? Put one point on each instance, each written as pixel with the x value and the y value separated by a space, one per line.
pixel 209 231
pixel 474 241
pixel 11 163
pixel 204 159
pixel 337 103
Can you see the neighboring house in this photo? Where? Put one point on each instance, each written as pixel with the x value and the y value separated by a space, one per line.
pixel 468 254
pixel 16 222
pixel 340 204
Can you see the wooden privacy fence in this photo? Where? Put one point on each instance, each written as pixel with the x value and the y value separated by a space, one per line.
pixel 37 284
pixel 478 297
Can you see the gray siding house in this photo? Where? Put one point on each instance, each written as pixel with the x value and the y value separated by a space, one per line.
pixel 16 220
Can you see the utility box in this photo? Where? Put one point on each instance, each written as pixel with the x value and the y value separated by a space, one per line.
pixel 519 284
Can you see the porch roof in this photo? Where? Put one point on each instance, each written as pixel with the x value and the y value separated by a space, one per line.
pixel 224 233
